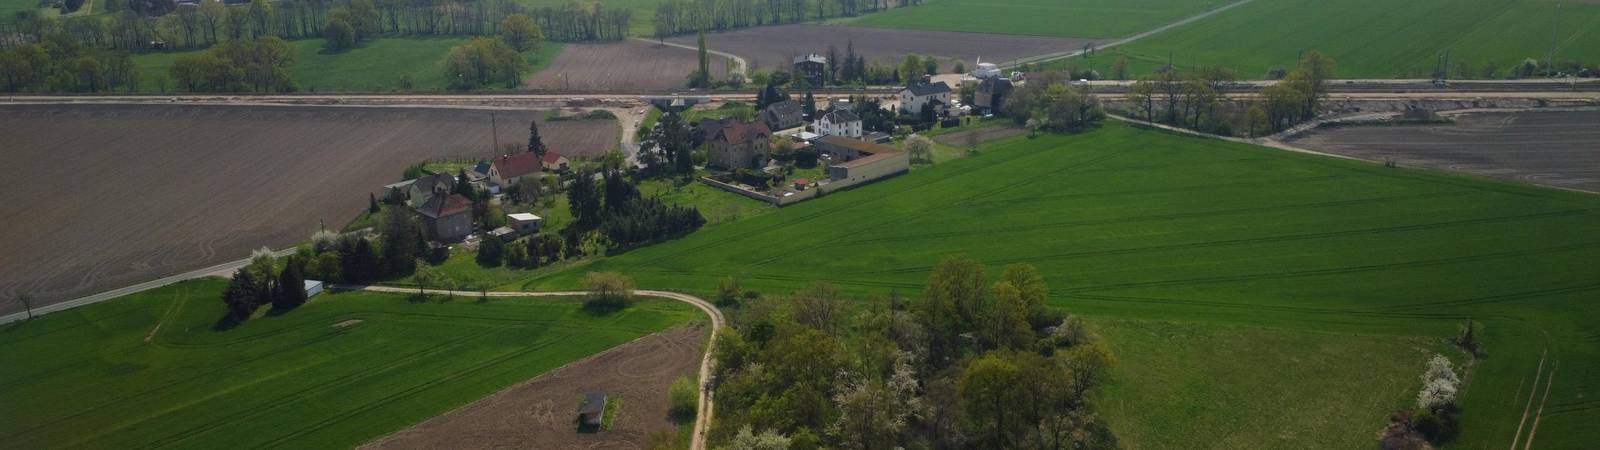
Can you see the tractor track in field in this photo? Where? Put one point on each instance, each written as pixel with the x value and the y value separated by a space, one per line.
pixel 1135 219
pixel 1151 191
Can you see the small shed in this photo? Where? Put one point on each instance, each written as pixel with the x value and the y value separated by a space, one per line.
pixel 313 287
pixel 591 413
pixel 524 223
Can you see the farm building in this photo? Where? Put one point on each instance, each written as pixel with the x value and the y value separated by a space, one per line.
pixel 810 68
pixel 313 287
pixel 507 169
pixel 914 96
pixel 591 413
pixel 784 115
pixel 860 161
pixel 524 223
pixel 446 217
pixel 740 146
pixel 839 121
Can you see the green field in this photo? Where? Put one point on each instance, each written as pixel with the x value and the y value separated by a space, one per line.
pixel 1377 38
pixel 1289 298
pixel 1072 18
pixel 641 24
pixel 374 66
pixel 149 370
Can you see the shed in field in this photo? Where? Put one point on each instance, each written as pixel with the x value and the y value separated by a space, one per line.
pixel 591 413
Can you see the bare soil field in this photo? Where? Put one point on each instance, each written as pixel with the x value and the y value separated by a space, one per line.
pixel 1551 148
pixel 769 47
pixel 102 196
pixel 541 413
pixel 619 65
pixel 985 134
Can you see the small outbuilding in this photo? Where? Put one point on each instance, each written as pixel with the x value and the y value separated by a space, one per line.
pixel 591 413
pixel 313 287
pixel 524 223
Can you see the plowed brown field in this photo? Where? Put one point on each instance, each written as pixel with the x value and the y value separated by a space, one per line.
pixel 769 47
pixel 1552 148
pixel 541 413
pixel 619 66
pixel 102 196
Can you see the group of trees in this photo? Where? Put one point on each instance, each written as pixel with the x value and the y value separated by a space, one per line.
pixel 583 21
pixel 59 64
pixel 669 148
pixel 257 65
pixel 261 283
pixel 674 17
pixel 969 365
pixel 1198 99
pixel 1433 420
pixel 483 61
pixel 1050 102
pixel 614 209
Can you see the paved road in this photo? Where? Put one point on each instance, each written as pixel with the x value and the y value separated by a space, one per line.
pixel 224 270
pixel 702 420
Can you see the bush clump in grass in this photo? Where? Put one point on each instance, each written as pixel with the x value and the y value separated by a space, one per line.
pixel 684 398
pixel 608 291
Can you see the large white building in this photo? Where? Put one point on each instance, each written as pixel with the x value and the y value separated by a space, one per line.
pixel 914 96
pixel 838 122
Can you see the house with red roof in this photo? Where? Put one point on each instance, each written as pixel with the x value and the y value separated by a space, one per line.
pixel 740 145
pixel 508 169
pixel 554 162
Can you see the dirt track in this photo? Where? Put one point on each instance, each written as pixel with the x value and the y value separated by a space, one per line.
pixel 539 413
pixel 622 65
pixel 103 196
pixel 1552 148
pixel 769 47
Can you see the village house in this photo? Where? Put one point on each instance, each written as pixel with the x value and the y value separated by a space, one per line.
pixel 424 188
pixel 810 68
pixel 554 162
pixel 740 146
pixel 508 169
pixel 839 121
pixel 914 96
pixel 784 115
pixel 446 217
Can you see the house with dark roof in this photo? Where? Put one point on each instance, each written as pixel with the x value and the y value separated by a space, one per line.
pixel 810 68
pixel 424 188
pixel 707 129
pixel 838 121
pixel 991 94
pixel 740 146
pixel 917 94
pixel 507 169
pixel 784 115
pixel 446 217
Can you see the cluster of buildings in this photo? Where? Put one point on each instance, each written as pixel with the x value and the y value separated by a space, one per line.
pixel 447 215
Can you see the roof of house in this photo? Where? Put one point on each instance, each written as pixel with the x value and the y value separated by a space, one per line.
pixel 995 85
pixel 857 145
pixel 434 182
pixel 522 217
pixel 445 205
pixel 819 59
pixel 741 132
pixel 921 89
pixel 787 111
pixel 840 115
pixel 552 158
pixel 710 127
pixel 512 166
pixel 482 167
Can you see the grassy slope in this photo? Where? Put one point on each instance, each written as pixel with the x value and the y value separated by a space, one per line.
pixel 1147 226
pixel 1074 18
pixel 289 381
pixel 1376 38
pixel 375 66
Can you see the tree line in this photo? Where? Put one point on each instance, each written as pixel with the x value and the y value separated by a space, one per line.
pixel 973 363
pixel 1198 99
pixel 262 283
pixel 675 17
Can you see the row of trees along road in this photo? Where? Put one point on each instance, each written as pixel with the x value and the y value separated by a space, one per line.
pixel 1197 99
pixel 971 364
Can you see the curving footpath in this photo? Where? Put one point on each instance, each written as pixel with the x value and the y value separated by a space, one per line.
pixel 702 420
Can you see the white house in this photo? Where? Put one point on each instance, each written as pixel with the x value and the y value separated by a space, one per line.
pixel 839 122
pixel 914 96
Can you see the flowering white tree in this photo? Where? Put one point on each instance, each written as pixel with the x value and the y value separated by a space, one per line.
pixel 1439 385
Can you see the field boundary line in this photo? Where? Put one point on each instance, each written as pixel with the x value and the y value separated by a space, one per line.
pixel 736 58
pixel 218 269
pixel 702 420
pixel 1127 40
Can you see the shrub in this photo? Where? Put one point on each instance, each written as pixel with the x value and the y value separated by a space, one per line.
pixel 608 291
pixel 728 292
pixel 684 398
pixel 491 252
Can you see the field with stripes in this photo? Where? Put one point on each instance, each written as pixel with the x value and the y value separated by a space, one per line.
pixel 1254 296
pixel 152 371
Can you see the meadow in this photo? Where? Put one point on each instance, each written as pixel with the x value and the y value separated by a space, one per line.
pixel 375 66
pixel 1255 296
pixel 154 369
pixel 1376 38
pixel 1070 18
